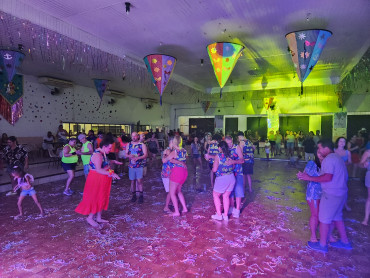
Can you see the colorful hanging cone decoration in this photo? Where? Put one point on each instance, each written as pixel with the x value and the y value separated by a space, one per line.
pixel 101 86
pixel 206 105
pixel 160 68
pixel 11 90
pixel 223 56
pixel 305 47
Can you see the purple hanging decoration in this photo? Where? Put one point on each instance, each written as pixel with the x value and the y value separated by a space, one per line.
pixel 101 86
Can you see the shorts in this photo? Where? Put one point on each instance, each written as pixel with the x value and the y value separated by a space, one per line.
pixel 331 208
pixel 224 183
pixel 69 166
pixel 122 154
pixel 86 169
pixel 196 156
pixel 111 156
pixel 135 173
pixel 367 179
pixel 238 191
pixel 179 175
pixel 166 184
pixel 28 192
pixel 278 145
pixel 248 168
pixel 290 146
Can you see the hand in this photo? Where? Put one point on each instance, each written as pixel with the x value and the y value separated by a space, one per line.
pixel 26 167
pixel 79 152
pixel 115 177
pixel 303 176
pixel 117 162
pixel 229 162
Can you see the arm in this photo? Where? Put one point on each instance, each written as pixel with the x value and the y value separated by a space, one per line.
pixel 97 159
pixel 349 157
pixel 323 178
pixel 168 157
pixel 215 164
pixel 66 151
pixel 365 157
pixel 89 146
pixel 145 151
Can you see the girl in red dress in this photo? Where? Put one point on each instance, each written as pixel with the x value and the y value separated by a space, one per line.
pixel 98 185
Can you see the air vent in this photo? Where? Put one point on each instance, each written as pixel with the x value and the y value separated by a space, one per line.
pixel 54 82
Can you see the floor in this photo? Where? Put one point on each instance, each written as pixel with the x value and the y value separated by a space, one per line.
pixel 269 239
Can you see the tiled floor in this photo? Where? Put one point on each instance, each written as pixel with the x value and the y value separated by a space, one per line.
pixel 142 241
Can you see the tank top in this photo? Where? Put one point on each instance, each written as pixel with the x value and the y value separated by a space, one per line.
pixel 238 168
pixel 248 154
pixel 213 150
pixel 70 159
pixel 344 157
pixel 104 163
pixel 223 169
pixel 166 168
pixel 180 156
pixel 85 157
pixel 137 150
pixel 23 182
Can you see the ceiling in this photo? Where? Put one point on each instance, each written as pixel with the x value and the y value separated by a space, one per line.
pixel 183 29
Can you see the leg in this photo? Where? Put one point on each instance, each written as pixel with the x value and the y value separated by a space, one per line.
pixel 34 197
pixel 314 218
pixel 342 231
pixel 249 182
pixel 226 202
pixel 99 219
pixel 217 202
pixel 20 200
pixel 200 162
pixel 212 178
pixel 238 202
pixel 173 190
pixel 367 208
pixel 182 199
pixel 71 175
pixel 232 201
pixel 324 232
pixel 168 199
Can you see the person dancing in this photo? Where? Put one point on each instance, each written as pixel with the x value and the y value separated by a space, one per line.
pixel 166 172
pixel 98 184
pixel 211 154
pixel 224 183
pixel 178 175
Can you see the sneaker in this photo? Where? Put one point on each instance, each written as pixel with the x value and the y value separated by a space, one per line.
pixel 141 199
pixel 68 193
pixel 236 213
pixel 11 193
pixel 133 199
pixel 342 245
pixel 225 217
pixel 317 247
pixel 217 217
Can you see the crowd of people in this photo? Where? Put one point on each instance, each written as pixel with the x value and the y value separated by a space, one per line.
pixel 230 163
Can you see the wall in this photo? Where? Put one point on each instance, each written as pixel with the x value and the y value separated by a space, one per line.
pixel 44 112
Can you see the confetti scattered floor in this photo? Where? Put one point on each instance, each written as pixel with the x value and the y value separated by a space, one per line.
pixel 269 239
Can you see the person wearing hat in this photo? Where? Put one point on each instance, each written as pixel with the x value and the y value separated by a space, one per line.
pixel 85 152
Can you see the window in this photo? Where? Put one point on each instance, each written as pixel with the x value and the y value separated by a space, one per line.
pixel 74 128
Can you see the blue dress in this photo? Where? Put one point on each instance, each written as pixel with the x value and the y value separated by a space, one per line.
pixel 313 188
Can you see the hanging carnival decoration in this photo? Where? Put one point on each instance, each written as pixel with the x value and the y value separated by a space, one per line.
pixel 101 86
pixel 160 68
pixel 206 105
pixel 223 56
pixel 305 47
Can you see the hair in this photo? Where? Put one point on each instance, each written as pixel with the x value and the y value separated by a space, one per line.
pixel 18 171
pixel 176 140
pixel 100 132
pixel 107 140
pixel 228 137
pixel 337 141
pixel 326 143
pixel 225 148
pixel 317 160
pixel 92 131
pixel 240 133
pixel 81 136
pixel 13 139
pixel 73 139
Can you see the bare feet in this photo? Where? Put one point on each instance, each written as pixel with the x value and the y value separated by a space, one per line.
pixel 102 220
pixel 18 216
pixel 313 239
pixel 93 223
pixel 166 209
pixel 364 223
pixel 175 214
pixel 185 210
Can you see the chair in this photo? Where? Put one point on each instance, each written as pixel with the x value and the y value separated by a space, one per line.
pixel 53 158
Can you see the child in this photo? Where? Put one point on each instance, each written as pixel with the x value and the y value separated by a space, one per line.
pixel 267 148
pixel 24 182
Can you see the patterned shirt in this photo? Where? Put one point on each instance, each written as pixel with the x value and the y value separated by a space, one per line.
pixel 166 168
pixel 104 163
pixel 314 190
pixel 181 156
pixel 248 153
pixel 213 150
pixel 223 169
pixel 16 157
pixel 136 150
pixel 238 168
